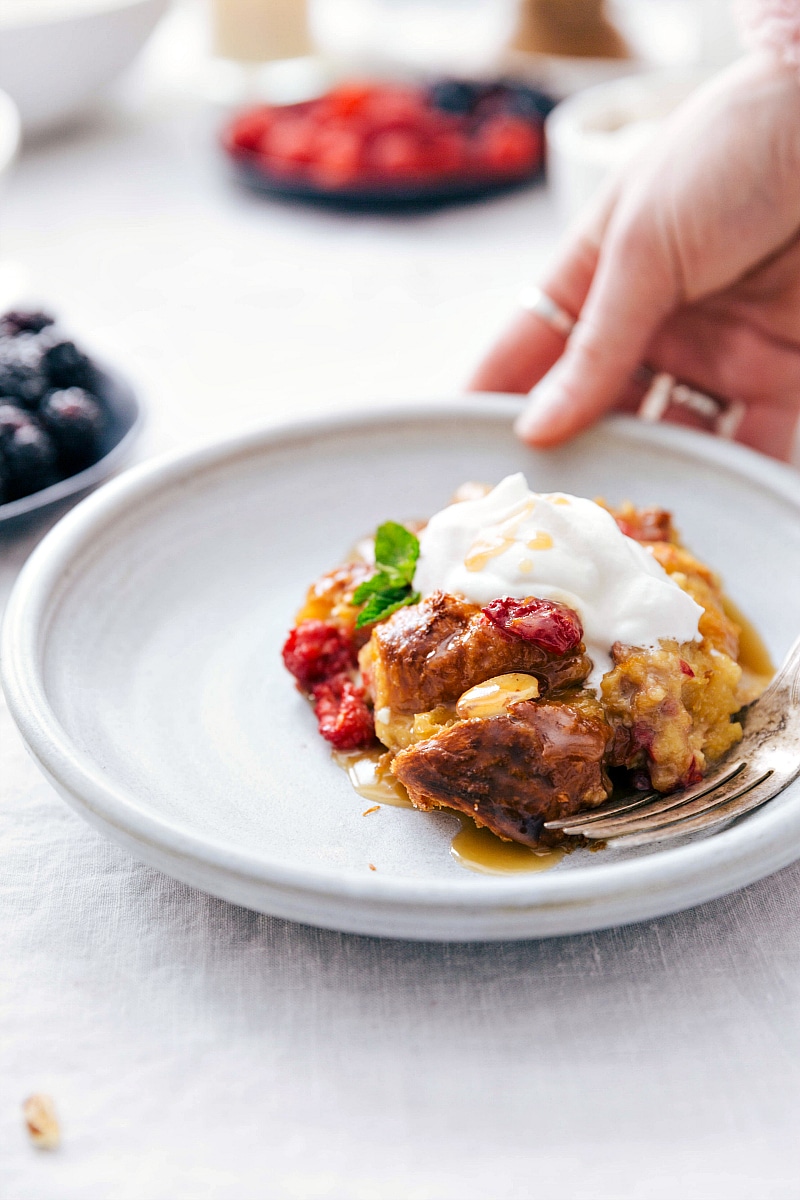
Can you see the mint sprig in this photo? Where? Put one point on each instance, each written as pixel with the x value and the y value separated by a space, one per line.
pixel 390 588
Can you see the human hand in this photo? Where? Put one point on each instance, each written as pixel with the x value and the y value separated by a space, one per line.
pixel 690 264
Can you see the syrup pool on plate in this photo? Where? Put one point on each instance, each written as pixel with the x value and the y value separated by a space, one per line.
pixel 368 771
pixel 754 656
pixel 472 847
pixel 478 849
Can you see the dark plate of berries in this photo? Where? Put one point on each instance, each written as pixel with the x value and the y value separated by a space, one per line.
pixel 65 419
pixel 377 145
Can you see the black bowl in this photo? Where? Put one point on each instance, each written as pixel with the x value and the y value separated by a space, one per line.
pixel 373 198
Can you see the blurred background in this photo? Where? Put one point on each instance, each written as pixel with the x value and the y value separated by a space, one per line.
pixel 258 209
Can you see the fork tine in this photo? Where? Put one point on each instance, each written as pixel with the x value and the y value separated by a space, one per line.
pixel 787 675
pixel 578 821
pixel 742 803
pixel 667 818
pixel 600 814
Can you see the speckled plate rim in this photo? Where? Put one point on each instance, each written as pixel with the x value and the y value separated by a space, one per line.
pixel 477 908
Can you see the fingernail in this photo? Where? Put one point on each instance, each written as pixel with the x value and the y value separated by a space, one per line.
pixel 544 402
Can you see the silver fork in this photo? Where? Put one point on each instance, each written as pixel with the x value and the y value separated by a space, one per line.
pixel 765 762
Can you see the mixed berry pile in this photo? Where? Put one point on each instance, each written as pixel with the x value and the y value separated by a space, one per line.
pixel 322 656
pixel 51 418
pixel 379 135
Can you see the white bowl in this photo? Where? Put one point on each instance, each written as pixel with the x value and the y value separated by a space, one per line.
pixel 9 134
pixel 596 131
pixel 56 55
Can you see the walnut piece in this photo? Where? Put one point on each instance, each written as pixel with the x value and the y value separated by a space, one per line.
pixel 41 1121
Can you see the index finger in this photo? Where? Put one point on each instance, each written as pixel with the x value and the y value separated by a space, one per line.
pixel 530 347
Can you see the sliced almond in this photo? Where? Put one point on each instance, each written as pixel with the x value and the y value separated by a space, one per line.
pixel 41 1121
pixel 493 698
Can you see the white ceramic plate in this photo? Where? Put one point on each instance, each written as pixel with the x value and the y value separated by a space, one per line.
pixel 141 661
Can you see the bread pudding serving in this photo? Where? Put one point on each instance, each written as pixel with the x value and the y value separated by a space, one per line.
pixel 522 656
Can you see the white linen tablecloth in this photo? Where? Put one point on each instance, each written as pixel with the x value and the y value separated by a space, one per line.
pixel 195 1049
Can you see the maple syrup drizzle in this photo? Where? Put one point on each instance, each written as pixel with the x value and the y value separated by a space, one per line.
pixel 497 539
pixel 502 537
pixel 753 653
pixel 368 771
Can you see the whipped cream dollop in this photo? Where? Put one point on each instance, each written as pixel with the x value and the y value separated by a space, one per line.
pixel 514 542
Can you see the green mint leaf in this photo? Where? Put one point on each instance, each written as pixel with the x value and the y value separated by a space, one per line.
pixel 396 554
pixel 383 604
pixel 396 549
pixel 378 583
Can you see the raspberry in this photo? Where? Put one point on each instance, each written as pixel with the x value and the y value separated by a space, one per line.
pixel 685 668
pixel 290 138
pixel 247 131
pixel 549 625
pixel 509 145
pixel 342 714
pixel 337 156
pixel 347 100
pixel 395 154
pixel 395 108
pixel 316 650
pixel 448 153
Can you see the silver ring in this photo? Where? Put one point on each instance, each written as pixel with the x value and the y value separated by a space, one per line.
pixel 664 390
pixel 534 300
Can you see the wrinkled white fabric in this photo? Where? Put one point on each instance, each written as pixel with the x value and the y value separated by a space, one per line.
pixel 195 1049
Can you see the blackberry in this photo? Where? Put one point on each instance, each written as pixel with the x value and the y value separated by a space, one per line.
pixel 75 421
pixel 18 321
pixel 454 96
pixel 30 458
pixel 12 418
pixel 21 373
pixel 67 366
pixel 528 102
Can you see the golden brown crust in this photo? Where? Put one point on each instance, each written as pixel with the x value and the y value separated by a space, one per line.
pixel 512 773
pixel 429 654
pixel 330 599
pixel 663 715
pixel 644 524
